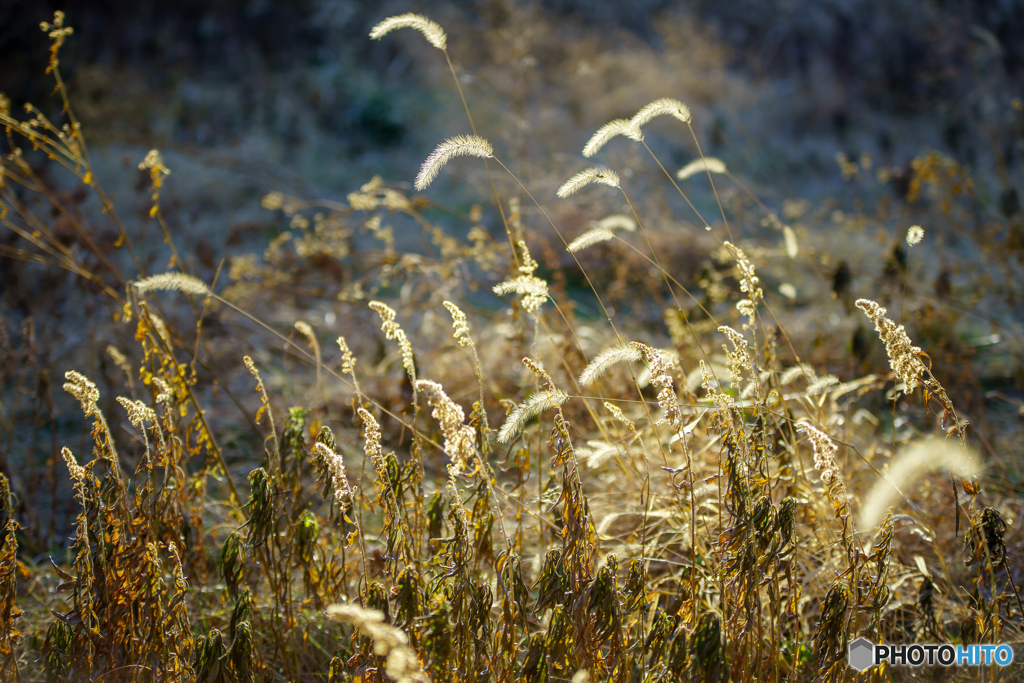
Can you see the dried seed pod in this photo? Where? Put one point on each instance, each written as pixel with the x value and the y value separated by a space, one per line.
pixel 261 508
pixel 552 587
pixel 708 655
pixel 232 563
pixel 336 673
pixel 243 611
pixel 435 516
pixel 985 538
pixel 830 640
pixel 243 654
pixel 785 520
pixel 535 668
pixel 211 659
pixel 306 534
pixel 377 598
pixel 57 649
pixel 634 593
pixel 514 592
pixel 658 637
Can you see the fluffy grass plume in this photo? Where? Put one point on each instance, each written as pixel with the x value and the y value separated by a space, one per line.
pixel 609 131
pixel 616 222
pixel 710 164
pixel 431 30
pixel 534 405
pixel 588 177
pixel 605 360
pixel 458 146
pixel 907 472
pixel 660 107
pixel 590 238
pixel 178 282
pixel 915 234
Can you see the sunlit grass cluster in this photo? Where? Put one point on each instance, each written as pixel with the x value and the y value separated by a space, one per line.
pixel 536 497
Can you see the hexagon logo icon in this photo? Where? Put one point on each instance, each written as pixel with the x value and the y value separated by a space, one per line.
pixel 862 654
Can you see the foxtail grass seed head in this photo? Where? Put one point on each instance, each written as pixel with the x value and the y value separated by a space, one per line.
pixel 459 324
pixel 705 165
pixel 661 107
pixel 85 391
pixel 306 330
pixel 605 360
pixel 459 439
pixel 178 282
pixel 534 405
pixel 904 357
pixel 120 360
pixel 590 238
pixel 348 361
pixel 822 384
pixel 804 370
pixel 588 177
pixel 608 131
pixel 914 235
pixel 597 453
pixel 616 222
pixel 432 31
pixel 458 146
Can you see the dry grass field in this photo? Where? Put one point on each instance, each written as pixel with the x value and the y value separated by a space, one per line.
pixel 567 398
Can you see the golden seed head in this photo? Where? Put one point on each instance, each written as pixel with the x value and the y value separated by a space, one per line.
pixel 371 435
pixel 348 361
pixel 85 391
pixel 824 452
pixel 619 415
pixel 459 439
pixel 336 466
pixel 387 318
pixel 138 412
pixel 431 30
pixel 76 470
pixel 904 357
pixel 178 282
pixel 460 325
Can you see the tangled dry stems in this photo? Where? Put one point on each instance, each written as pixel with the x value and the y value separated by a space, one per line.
pixel 446 559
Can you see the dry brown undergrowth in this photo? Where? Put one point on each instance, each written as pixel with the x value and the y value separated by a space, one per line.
pixel 611 510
